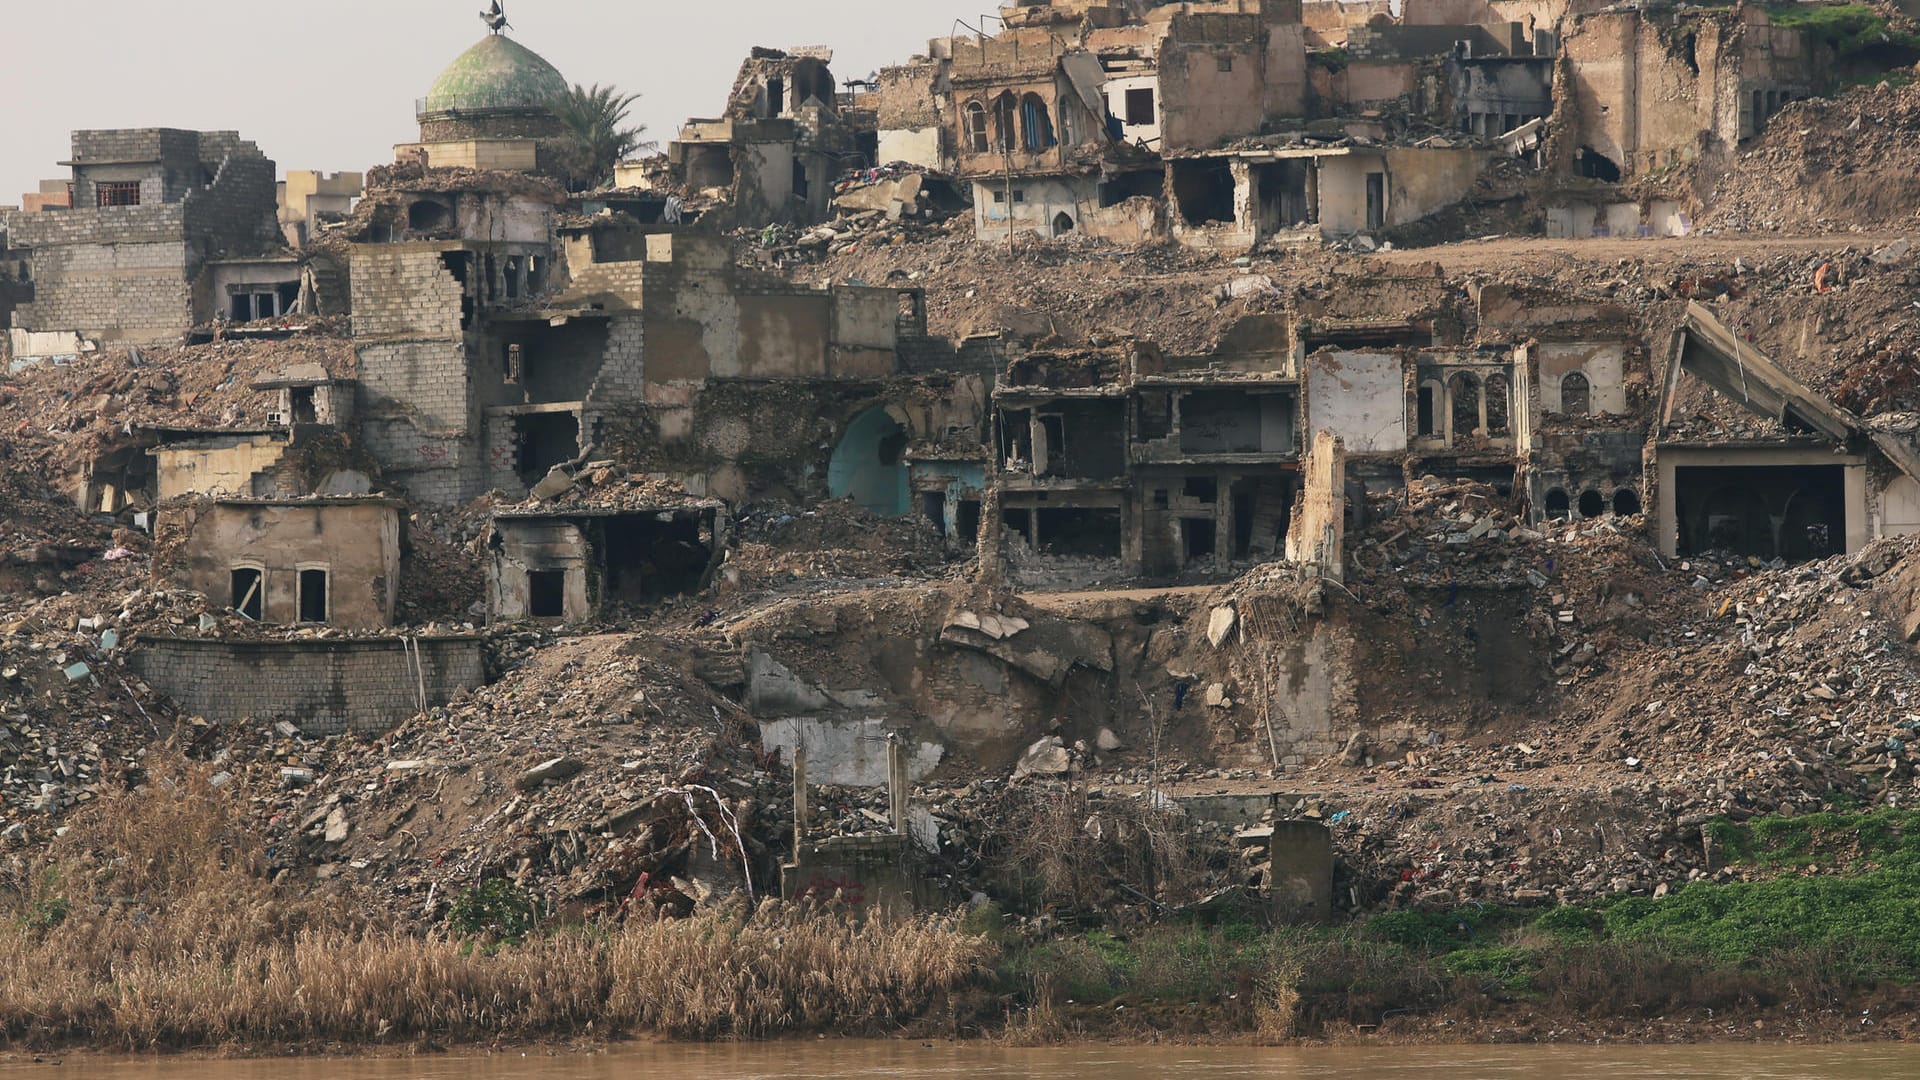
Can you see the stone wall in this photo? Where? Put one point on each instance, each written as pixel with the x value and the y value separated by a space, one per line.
pixel 326 686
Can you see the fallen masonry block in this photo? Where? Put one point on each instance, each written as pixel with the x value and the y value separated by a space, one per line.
pixel 1220 625
pixel 547 772
pixel 1047 651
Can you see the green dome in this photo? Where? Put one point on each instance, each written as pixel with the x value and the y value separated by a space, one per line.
pixel 498 73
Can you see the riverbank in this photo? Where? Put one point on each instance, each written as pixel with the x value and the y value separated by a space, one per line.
pixel 154 924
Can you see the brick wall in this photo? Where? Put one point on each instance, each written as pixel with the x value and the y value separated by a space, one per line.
pixel 623 368
pixel 326 687
pixel 425 380
pixel 439 469
pixel 404 291
pixel 137 292
pixel 503 451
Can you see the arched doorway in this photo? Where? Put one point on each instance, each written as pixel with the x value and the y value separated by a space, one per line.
pixel 1499 405
pixel 1559 507
pixel 1463 399
pixel 1575 394
pixel 869 466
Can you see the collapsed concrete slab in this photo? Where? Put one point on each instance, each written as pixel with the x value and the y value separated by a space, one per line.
pixel 1048 650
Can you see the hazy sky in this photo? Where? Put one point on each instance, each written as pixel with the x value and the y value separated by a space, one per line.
pixel 331 84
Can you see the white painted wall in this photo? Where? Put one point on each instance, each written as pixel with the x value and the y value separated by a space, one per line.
pixel 849 752
pixel 1116 92
pixel 1900 507
pixel 1040 202
pixel 1604 365
pixel 1361 397
pixel 921 147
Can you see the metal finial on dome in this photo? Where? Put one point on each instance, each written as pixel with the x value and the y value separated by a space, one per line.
pixel 496 17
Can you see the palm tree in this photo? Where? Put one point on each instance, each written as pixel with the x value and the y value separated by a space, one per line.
pixel 594 117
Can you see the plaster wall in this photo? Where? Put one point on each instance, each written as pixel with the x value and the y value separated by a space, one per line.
pixel 521 547
pixel 227 470
pixel 1359 397
pixel 852 752
pixel 916 146
pixel 1042 200
pixel 357 543
pixel 1604 365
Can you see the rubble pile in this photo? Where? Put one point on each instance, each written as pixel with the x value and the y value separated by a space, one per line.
pixel 1827 165
pixel 52 411
pixel 599 775
pixel 833 544
pixel 71 717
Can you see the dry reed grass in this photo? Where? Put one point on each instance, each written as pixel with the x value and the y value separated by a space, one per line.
pixel 152 925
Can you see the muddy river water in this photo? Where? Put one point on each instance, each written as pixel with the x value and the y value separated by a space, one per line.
pixel 912 1061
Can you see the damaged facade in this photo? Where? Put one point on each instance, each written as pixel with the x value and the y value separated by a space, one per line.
pixel 1814 481
pixel 575 565
pixel 333 561
pixel 783 142
pixel 168 230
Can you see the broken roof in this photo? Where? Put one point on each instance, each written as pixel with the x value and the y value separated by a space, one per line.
pixel 1707 349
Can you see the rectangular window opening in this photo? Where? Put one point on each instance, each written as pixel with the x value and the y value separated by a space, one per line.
pixel 1018 520
pixel 1084 532
pixel 313 596
pixel 1140 106
pixel 1201 536
pixel 117 193
pixel 546 440
pixel 966 520
pixel 934 505
pixel 547 594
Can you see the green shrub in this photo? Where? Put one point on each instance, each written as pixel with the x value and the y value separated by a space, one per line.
pixel 494 910
pixel 1571 925
pixel 1847 29
pixel 1510 967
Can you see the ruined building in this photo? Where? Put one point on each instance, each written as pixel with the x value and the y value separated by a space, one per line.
pixel 783 141
pixel 168 230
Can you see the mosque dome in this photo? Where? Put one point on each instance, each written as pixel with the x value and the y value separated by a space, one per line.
pixel 497 74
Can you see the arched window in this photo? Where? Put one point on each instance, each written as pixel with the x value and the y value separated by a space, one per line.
pixel 1559 507
pixel 977 128
pixel 1036 124
pixel 1463 393
pixel 1006 123
pixel 1592 504
pixel 1499 405
pixel 1626 502
pixel 1575 395
pixel 1062 223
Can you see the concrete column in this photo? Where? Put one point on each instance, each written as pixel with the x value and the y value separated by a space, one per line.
pixel 1301 883
pixel 800 823
pixel 898 784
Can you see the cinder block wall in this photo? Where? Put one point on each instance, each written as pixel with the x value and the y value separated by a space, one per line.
pixel 325 686
pixel 127 273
